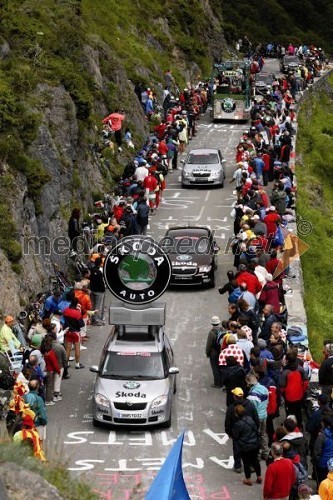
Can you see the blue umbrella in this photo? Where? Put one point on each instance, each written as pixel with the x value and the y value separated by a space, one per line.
pixel 169 483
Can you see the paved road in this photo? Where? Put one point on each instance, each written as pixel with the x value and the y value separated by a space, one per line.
pixel 121 465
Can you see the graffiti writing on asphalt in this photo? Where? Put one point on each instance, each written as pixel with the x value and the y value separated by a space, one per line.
pixel 111 486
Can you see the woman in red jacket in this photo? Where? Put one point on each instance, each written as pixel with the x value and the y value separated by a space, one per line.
pixel 270 294
pixel 52 367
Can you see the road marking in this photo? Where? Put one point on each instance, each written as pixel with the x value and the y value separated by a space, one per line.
pixel 226 464
pixel 195 218
pixel 219 437
pixel 170 218
pixel 207 196
pixel 209 219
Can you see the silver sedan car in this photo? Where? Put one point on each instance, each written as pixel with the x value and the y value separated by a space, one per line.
pixel 136 378
pixel 203 167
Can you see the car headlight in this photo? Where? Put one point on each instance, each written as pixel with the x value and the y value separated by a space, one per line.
pixel 204 269
pixel 186 173
pixel 215 173
pixel 160 401
pixel 102 400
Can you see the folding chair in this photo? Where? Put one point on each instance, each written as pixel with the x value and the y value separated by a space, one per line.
pixel 15 358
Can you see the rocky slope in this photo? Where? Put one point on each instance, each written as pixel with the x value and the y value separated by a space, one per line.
pixel 64 65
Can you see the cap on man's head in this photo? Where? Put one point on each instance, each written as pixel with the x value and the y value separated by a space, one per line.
pixel 36 340
pixel 271 209
pixel 9 319
pixel 238 391
pixel 215 320
pixel 256 217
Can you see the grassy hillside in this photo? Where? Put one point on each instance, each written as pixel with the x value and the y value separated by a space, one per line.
pixel 315 204
pixel 296 21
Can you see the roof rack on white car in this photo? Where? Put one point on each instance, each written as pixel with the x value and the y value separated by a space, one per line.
pixel 124 314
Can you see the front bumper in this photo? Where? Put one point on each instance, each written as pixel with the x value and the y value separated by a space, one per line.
pixel 202 181
pixel 143 416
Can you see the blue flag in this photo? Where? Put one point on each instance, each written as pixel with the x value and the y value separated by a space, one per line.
pixel 169 483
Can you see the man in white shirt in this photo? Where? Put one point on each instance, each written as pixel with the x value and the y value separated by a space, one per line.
pixel 141 172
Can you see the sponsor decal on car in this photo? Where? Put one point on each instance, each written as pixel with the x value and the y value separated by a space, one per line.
pixel 137 270
pixel 228 105
pixel 122 394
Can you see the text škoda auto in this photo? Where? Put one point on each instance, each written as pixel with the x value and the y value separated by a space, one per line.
pixel 137 270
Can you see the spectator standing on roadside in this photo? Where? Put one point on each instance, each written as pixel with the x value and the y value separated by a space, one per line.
pixel 258 395
pixel 52 367
pixel 74 322
pixel 213 349
pixel 230 419
pixel 142 217
pixel 60 352
pixel 292 386
pixel 246 433
pixel 280 476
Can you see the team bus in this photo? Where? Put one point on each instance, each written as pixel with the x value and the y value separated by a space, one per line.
pixel 231 85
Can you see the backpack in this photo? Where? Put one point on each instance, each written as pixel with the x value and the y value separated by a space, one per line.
pixel 295 331
pixel 301 474
pixel 219 334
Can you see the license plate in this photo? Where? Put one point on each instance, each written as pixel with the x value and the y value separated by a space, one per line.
pixel 130 415
pixel 201 179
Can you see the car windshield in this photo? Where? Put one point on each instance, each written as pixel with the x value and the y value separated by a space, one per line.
pixel 203 159
pixel 291 59
pixel 186 245
pixel 265 78
pixel 133 365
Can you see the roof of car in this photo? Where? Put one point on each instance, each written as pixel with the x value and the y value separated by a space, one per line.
pixel 133 340
pixel 203 151
pixel 189 230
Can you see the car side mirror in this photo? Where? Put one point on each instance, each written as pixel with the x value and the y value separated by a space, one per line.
pixel 224 160
pixel 94 369
pixel 182 161
pixel 173 370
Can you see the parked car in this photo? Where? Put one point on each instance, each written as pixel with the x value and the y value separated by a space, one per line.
pixel 290 63
pixel 264 83
pixel 203 167
pixel 136 378
pixel 192 252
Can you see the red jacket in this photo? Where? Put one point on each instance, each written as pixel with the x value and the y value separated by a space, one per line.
pixel 270 295
pixel 51 362
pixel 279 479
pixel 251 280
pixel 271 222
pixel 162 148
pixel 150 183
pixel 293 384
